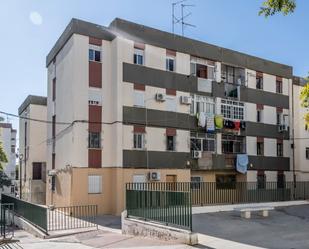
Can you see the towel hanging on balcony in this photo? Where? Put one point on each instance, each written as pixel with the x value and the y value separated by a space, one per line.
pixel 210 122
pixel 242 163
pixel 201 117
pixel 219 121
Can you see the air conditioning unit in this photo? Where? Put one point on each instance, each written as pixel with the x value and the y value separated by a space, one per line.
pixel 154 176
pixel 282 127
pixel 186 100
pixel 160 97
pixel 197 154
pixel 52 172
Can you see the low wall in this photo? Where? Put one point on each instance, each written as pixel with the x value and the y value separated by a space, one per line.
pixel 153 230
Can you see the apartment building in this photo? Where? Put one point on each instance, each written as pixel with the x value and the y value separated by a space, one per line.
pixel 8 141
pixel 300 133
pixel 129 103
pixel 32 148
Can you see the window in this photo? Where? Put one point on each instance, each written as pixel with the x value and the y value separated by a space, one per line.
pixel 202 68
pixel 279 118
pixel 226 181
pixel 94 184
pixel 196 182
pixel 261 180
pixel 259 116
pixel 54 90
pixel 139 98
pixel 170 143
pixel 138 56
pixel 232 109
pixel 170 103
pixel 307 153
pixel 37 171
pixel 139 140
pixel 170 64
pixel 260 148
pixel 94 53
pixel 278 86
pixel 233 144
pixel 279 149
pixel 13 148
pixel 94 140
pixel 232 75
pixel 259 82
pixel 280 179
pixel 202 142
pixel 202 104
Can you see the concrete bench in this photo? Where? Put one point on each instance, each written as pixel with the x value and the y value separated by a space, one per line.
pixel 245 212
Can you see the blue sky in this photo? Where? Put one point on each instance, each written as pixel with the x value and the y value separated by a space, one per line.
pixel 235 24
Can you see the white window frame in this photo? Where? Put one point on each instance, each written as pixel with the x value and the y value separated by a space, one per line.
pixel 139 52
pixel 142 135
pixel 139 98
pixel 232 110
pixel 168 58
pixel 94 184
pixel 202 137
pixel 95 48
pixel 207 104
pixel 208 63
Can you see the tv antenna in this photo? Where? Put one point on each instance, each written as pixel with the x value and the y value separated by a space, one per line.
pixel 181 20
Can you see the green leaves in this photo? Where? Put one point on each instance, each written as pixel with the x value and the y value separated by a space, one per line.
pixel 3 158
pixel 304 100
pixel 271 7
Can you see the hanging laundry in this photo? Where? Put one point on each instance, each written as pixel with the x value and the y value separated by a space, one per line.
pixel 219 121
pixel 210 122
pixel 202 119
pixel 242 125
pixel 242 161
pixel 228 124
pixel 237 125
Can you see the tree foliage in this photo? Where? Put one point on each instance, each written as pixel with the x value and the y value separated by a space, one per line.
pixel 4 180
pixel 304 99
pixel 271 7
pixel 3 158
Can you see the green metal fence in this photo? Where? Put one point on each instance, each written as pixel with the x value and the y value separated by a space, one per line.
pixel 212 193
pixel 166 203
pixel 33 213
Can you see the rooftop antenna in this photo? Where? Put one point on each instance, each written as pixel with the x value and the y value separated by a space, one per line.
pixel 175 20
pixel 183 23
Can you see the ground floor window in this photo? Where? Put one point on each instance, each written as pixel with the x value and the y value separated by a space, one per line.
pixel 196 182
pixel 226 181
pixel 94 184
pixel 280 179
pixel 261 180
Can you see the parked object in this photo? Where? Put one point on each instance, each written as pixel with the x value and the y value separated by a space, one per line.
pixel 246 211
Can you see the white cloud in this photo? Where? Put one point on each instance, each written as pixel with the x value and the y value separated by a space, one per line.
pixel 35 18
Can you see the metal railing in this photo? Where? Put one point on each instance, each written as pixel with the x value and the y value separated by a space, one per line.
pixel 165 203
pixel 212 193
pixel 72 217
pixel 7 221
pixel 35 214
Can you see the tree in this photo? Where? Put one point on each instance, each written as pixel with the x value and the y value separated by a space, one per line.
pixel 3 158
pixel 304 99
pixel 271 7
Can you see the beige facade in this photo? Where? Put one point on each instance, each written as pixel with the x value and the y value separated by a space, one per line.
pixel 32 148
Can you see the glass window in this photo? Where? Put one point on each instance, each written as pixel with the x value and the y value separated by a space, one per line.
pixel 226 181
pixel 202 142
pixel 170 64
pixel 94 184
pixel 259 82
pixel 280 180
pixel 36 171
pixel 233 144
pixel 138 57
pixel 95 53
pixel 139 98
pixel 278 86
pixel 196 182
pixel 138 140
pixel 202 104
pixel 170 143
pixel 279 149
pixel 232 109
pixel 260 148
pixel 307 153
pixel 94 140
pixel 261 180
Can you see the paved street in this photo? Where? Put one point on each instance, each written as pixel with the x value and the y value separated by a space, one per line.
pixel 285 228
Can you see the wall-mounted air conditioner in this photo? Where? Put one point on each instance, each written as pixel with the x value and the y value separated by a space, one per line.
pixel 197 154
pixel 160 97
pixel 154 176
pixel 186 100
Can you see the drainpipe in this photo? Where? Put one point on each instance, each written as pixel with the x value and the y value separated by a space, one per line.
pixel 293 134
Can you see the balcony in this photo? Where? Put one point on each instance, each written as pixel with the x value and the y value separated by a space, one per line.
pixel 210 161
pixel 204 85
